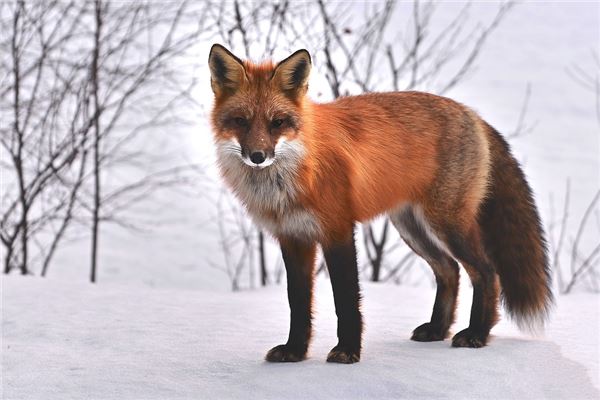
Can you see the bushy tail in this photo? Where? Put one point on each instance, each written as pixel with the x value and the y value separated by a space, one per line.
pixel 514 240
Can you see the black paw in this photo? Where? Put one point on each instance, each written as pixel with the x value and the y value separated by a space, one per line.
pixel 469 338
pixel 343 355
pixel 428 333
pixel 285 353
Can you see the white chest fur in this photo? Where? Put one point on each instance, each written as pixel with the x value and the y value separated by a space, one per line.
pixel 270 194
pixel 299 223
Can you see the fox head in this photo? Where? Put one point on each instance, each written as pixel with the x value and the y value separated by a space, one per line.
pixel 257 114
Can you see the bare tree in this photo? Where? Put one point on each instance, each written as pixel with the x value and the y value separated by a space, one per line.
pixel 589 79
pixel 375 248
pixel 584 264
pixel 236 239
pixel 41 142
pixel 95 69
pixel 581 264
pixel 76 75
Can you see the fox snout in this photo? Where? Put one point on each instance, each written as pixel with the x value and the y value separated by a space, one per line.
pixel 257 149
pixel 258 158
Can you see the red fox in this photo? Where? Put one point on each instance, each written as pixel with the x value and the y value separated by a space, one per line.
pixel 308 172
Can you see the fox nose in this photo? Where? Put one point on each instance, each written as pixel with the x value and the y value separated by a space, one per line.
pixel 257 157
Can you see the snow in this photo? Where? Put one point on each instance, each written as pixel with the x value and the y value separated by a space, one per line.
pixel 65 340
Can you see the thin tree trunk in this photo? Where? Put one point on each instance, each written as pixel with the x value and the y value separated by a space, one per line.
pixel 68 214
pixel 376 269
pixel 18 158
pixel 263 264
pixel 378 248
pixel 7 258
pixel 96 149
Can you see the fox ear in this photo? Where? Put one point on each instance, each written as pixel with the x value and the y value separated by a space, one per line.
pixel 226 70
pixel 292 73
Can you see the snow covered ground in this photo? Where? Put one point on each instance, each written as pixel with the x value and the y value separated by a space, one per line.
pixel 65 340
pixel 190 338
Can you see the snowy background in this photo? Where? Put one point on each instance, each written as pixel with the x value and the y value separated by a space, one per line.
pixel 162 321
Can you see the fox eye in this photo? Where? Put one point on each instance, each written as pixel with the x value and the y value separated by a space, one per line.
pixel 241 122
pixel 276 123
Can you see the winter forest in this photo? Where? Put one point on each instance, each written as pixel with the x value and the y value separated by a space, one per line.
pixel 129 270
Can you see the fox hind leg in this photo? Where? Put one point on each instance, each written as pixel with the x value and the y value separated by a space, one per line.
pixel 484 310
pixel 419 237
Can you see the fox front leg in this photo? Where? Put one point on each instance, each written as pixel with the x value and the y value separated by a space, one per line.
pixel 299 259
pixel 343 271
